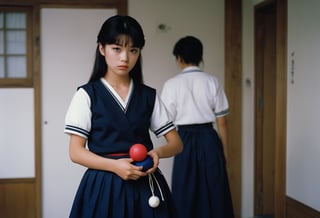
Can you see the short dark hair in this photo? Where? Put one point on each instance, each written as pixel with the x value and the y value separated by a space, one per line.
pixel 190 49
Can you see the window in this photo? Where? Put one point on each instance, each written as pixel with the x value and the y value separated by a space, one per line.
pixel 15 47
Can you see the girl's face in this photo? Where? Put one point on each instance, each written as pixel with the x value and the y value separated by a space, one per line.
pixel 120 57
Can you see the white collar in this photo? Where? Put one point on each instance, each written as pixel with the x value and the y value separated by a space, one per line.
pixel 191 69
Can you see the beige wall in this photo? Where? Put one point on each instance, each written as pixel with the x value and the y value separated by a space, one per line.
pixel 303 138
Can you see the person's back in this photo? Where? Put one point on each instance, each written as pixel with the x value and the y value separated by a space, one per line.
pixel 196 100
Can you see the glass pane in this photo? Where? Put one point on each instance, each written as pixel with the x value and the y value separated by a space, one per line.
pixel 16 42
pixel 16 20
pixel 17 67
pixel 1 42
pixel 1 67
pixel 1 20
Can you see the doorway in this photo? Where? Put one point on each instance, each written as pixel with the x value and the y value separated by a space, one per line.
pixel 67 57
pixel 265 108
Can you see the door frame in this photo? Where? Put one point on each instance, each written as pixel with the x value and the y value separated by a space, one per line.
pixel 233 87
pixel 264 107
pixel 280 107
pixel 122 9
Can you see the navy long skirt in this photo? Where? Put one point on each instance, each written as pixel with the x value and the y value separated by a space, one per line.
pixel 200 184
pixel 103 194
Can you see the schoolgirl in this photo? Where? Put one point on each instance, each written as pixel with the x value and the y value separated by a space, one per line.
pixel 109 114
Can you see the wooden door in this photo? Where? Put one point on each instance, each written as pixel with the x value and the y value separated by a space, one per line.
pixel 233 87
pixel 265 108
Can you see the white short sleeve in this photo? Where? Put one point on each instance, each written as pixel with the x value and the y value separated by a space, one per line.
pixel 78 117
pixel 221 106
pixel 161 122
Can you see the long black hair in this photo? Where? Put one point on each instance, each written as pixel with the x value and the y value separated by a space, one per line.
pixel 109 33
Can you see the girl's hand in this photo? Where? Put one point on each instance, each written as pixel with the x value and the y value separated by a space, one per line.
pixel 155 157
pixel 127 171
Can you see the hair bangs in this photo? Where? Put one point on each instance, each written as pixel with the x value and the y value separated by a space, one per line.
pixel 122 26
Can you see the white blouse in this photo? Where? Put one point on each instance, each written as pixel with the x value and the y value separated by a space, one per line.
pixel 194 97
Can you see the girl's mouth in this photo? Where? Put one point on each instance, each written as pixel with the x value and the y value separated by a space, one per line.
pixel 123 67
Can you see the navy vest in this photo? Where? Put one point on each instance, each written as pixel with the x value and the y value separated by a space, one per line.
pixel 114 130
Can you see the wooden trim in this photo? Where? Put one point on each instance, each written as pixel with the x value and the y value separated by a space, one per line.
pixel 15 83
pixel 258 112
pixel 17 198
pixel 26 81
pixel 18 180
pixel 120 5
pixel 233 87
pixel 30 42
pixel 296 209
pixel 281 110
pixel 37 109
pixel 264 107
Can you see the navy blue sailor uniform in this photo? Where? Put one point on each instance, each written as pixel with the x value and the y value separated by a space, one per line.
pixel 110 126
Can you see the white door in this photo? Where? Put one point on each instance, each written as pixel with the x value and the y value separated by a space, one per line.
pixel 68 43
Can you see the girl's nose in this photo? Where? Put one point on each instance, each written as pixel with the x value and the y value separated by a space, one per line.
pixel 124 56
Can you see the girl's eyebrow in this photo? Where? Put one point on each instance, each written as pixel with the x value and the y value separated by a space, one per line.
pixel 124 45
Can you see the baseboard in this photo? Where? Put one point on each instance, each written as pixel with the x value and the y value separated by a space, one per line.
pixel 296 209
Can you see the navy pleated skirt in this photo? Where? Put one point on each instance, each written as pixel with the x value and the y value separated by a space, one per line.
pixel 103 194
pixel 200 184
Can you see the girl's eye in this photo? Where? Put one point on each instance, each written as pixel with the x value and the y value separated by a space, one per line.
pixel 116 48
pixel 134 50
